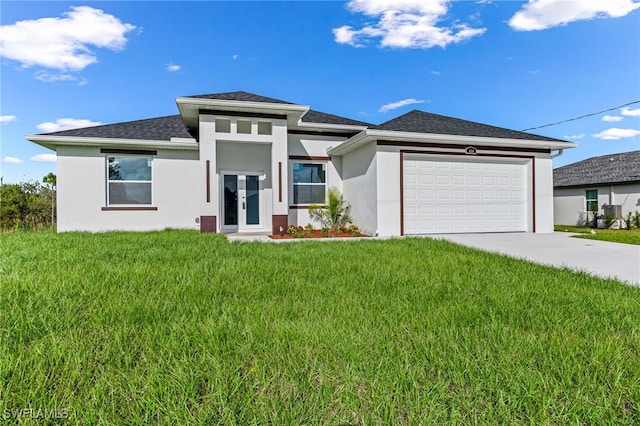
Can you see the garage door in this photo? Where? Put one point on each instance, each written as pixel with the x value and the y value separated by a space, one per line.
pixel 450 195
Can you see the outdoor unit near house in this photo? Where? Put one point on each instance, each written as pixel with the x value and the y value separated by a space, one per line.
pixel 613 209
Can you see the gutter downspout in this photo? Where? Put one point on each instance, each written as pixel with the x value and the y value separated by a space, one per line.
pixel 558 154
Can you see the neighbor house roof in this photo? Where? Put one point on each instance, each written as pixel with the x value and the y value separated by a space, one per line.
pixel 603 170
pixel 159 129
pixel 425 122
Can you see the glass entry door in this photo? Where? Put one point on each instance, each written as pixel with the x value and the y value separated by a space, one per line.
pixel 241 202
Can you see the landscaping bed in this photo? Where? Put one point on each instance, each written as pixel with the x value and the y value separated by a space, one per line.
pixel 295 232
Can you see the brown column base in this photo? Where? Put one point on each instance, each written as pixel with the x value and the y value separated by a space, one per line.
pixel 279 221
pixel 207 224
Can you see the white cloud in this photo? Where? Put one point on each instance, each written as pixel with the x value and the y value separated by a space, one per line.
pixel 399 104
pixel 63 43
pixel 45 158
pixel 11 160
pixel 543 14
pixel 404 24
pixel 614 134
pixel 51 78
pixel 435 73
pixel 173 67
pixel 66 124
pixel 612 118
pixel 580 136
pixel 7 118
pixel 235 57
pixel 630 112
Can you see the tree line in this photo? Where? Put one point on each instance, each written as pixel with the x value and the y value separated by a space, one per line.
pixel 28 206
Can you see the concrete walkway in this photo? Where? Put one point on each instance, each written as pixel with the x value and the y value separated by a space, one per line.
pixel 601 258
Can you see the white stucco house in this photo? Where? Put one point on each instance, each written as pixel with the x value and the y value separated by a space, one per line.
pixel 239 162
pixel 593 184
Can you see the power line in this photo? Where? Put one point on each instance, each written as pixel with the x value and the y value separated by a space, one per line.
pixel 582 116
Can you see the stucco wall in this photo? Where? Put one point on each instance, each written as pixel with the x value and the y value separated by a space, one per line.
pixel 312 146
pixel 569 204
pixel 544 193
pixel 81 173
pixel 360 185
pixel 388 189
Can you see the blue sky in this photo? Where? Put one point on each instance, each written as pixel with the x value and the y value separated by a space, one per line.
pixel 507 63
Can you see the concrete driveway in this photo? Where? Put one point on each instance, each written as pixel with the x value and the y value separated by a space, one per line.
pixel 601 258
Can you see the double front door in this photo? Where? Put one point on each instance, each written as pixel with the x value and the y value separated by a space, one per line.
pixel 242 207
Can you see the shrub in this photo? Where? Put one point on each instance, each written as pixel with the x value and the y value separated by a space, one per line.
pixel 295 231
pixel 608 220
pixel 636 219
pixel 335 214
pixel 628 220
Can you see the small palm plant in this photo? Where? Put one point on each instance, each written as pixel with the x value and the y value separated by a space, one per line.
pixel 336 213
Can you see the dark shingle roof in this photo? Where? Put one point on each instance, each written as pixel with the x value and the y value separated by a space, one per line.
pixel 239 96
pixel 159 129
pixel 425 122
pixel 605 169
pixel 322 117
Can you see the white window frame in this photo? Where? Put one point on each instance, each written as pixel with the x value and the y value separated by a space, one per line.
pixel 591 200
pixel 149 158
pixel 292 184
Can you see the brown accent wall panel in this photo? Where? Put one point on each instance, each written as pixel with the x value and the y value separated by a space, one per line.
pixel 207 224
pixel 279 221
pixel 208 181
pixel 309 158
pixel 461 147
pixel 242 114
pixel 401 193
pixel 128 151
pixel 321 133
pixel 458 153
pixel 279 181
pixel 533 189
pixel 128 209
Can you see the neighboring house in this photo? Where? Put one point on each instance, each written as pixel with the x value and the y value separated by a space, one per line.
pixel 591 184
pixel 239 162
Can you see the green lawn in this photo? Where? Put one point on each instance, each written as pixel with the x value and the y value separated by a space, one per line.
pixel 177 327
pixel 631 236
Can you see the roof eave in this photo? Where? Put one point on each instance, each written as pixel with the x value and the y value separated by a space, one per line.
pixel 328 126
pixel 52 142
pixel 593 185
pixel 190 108
pixel 369 135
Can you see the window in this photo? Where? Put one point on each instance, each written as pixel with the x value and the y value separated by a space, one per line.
pixel 264 127
pixel 223 125
pixel 592 200
pixel 309 183
pixel 128 180
pixel 243 126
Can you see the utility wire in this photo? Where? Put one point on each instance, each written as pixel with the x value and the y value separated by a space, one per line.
pixel 582 116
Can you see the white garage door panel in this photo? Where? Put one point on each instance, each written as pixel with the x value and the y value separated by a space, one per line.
pixel 443 195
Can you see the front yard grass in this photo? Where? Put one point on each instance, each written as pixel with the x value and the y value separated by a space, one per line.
pixel 625 236
pixel 177 327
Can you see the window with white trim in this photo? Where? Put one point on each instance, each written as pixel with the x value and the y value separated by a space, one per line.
pixel 129 180
pixel 592 200
pixel 309 182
